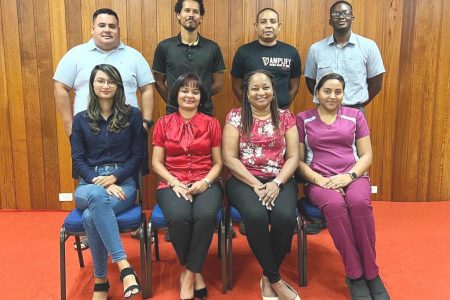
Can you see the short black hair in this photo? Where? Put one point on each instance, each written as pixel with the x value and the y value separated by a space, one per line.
pixel 330 76
pixel 340 2
pixel 264 9
pixel 179 6
pixel 106 11
pixel 184 80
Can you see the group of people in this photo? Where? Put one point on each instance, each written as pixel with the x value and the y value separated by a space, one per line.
pixel 261 145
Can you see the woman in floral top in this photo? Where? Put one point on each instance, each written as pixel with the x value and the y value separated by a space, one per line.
pixel 260 148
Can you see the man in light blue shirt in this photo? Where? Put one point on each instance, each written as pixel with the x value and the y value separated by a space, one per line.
pixel 104 47
pixel 356 58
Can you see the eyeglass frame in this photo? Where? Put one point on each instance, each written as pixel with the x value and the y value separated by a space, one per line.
pixel 337 14
pixel 102 82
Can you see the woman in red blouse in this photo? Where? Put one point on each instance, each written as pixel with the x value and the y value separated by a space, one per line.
pixel 187 158
pixel 260 148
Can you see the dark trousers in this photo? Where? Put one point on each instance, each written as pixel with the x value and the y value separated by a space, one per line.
pixel 191 224
pixel 270 245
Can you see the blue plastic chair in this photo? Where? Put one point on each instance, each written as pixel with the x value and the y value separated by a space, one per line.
pixel 129 220
pixel 158 221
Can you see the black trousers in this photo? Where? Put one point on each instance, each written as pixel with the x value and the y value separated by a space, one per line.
pixel 191 224
pixel 270 245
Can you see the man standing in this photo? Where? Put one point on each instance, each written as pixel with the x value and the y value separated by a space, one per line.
pixel 267 53
pixel 356 58
pixel 104 47
pixel 188 52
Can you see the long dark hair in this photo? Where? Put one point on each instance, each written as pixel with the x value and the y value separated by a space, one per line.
pixel 246 113
pixel 185 80
pixel 120 110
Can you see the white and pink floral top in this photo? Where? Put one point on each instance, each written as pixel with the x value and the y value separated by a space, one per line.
pixel 263 151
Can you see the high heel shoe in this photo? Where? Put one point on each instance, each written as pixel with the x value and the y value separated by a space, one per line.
pixel 297 297
pixel 262 293
pixel 126 272
pixel 201 293
pixel 101 287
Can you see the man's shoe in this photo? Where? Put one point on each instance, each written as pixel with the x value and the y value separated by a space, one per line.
pixel 377 289
pixel 242 228
pixel 358 289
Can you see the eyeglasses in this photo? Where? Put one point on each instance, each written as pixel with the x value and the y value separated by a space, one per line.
pixel 345 13
pixel 102 82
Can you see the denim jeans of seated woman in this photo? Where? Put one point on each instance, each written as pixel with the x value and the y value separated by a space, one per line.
pixel 99 218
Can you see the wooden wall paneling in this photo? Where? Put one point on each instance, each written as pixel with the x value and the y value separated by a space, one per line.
pixel 385 105
pixel 73 33
pixel 223 102
pixel 7 184
pixel 134 22
pixel 63 37
pixel 263 4
pixel 150 41
pixel 87 10
pixel 47 102
pixel 425 87
pixel 175 25
pixel 304 40
pixel 289 30
pixel 104 4
pixel 120 7
pixel 235 40
pixel 207 27
pixel 250 11
pixel 31 103
pixel 13 68
pixel 404 185
pixel 439 179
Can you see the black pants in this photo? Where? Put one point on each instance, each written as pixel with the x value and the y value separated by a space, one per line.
pixel 191 224
pixel 270 246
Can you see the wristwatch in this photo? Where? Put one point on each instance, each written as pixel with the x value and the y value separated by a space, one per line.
pixel 207 182
pixel 352 175
pixel 279 184
pixel 149 123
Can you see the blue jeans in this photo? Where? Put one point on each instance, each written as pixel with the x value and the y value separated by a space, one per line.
pixel 99 218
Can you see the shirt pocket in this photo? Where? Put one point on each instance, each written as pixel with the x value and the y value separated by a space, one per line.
pixel 323 68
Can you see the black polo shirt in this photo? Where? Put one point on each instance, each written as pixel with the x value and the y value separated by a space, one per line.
pixel 173 58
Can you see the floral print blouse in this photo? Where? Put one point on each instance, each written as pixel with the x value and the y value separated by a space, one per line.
pixel 263 151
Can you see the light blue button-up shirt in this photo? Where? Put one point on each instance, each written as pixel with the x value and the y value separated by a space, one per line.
pixel 356 61
pixel 74 70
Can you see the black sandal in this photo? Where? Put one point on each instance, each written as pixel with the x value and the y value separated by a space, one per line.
pixel 101 287
pixel 201 293
pixel 126 272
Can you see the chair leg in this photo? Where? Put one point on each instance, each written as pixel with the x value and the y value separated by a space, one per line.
pixel 155 235
pixel 62 262
pixel 142 248
pixel 229 257
pixel 303 255
pixel 80 254
pixel 149 260
pixel 221 237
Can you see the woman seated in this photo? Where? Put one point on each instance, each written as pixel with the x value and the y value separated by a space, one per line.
pixel 335 154
pixel 107 152
pixel 260 148
pixel 187 158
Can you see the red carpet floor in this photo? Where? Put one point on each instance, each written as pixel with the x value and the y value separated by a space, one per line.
pixel 413 244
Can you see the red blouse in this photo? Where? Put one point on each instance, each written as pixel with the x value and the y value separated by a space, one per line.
pixel 187 145
pixel 263 152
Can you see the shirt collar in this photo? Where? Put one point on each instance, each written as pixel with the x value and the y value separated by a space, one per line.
pixel 198 42
pixel 92 46
pixel 351 40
